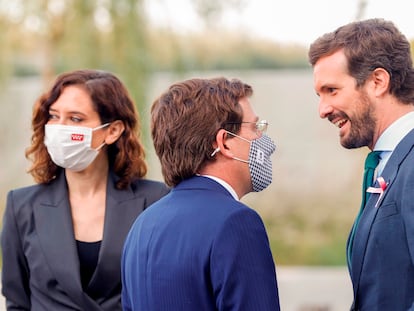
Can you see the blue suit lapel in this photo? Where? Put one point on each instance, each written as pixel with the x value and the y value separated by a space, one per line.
pixel 364 227
pixel 367 219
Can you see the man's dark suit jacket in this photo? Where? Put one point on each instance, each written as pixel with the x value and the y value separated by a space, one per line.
pixel 40 260
pixel 382 265
pixel 198 249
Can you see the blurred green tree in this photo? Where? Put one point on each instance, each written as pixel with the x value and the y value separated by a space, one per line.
pixel 211 10
pixel 64 35
pixel 61 35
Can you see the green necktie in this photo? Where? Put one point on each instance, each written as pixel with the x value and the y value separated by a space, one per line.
pixel 371 162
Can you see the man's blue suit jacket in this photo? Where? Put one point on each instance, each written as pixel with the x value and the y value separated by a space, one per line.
pixel 198 249
pixel 382 265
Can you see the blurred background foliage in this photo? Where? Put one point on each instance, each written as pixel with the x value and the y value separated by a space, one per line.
pixel 46 37
pixel 42 38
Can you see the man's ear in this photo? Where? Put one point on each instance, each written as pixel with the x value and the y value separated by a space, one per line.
pixel 381 80
pixel 115 130
pixel 221 146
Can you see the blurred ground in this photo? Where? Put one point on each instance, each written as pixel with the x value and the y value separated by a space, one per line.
pixel 314 288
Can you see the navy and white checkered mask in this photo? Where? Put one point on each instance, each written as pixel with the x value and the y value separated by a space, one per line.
pixel 260 163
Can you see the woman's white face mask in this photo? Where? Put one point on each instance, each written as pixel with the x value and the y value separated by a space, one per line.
pixel 70 146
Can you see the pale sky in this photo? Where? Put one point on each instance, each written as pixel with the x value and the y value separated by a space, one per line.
pixel 289 21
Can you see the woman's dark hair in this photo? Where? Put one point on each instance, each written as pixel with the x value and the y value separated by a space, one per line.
pixel 112 102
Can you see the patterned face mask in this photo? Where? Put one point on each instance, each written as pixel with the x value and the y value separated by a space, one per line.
pixel 260 164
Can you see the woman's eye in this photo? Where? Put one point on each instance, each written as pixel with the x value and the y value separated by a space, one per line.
pixel 53 117
pixel 76 119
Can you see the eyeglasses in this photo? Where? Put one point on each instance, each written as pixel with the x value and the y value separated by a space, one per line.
pixel 260 126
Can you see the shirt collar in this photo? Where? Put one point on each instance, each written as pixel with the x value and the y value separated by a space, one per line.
pixel 225 185
pixel 390 138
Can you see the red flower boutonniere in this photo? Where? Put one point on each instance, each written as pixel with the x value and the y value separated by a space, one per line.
pixel 382 186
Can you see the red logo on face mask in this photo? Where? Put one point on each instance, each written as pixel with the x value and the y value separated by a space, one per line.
pixel 77 137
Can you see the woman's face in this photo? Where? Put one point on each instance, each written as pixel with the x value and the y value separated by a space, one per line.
pixel 74 107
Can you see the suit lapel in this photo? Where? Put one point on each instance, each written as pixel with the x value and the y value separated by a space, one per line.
pixel 364 227
pixel 367 219
pixel 122 208
pixel 55 230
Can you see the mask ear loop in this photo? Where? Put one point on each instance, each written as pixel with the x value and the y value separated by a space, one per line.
pixel 235 135
pixel 101 126
pixel 241 160
pixel 242 138
pixel 97 128
pixel 100 146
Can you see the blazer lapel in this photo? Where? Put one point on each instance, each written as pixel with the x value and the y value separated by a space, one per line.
pixel 122 208
pixel 55 230
pixel 364 227
pixel 370 211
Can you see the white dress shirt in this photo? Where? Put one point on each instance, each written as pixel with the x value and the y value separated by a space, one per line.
pixel 225 185
pixel 391 137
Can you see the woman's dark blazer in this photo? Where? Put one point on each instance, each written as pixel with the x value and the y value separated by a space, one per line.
pixel 40 260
